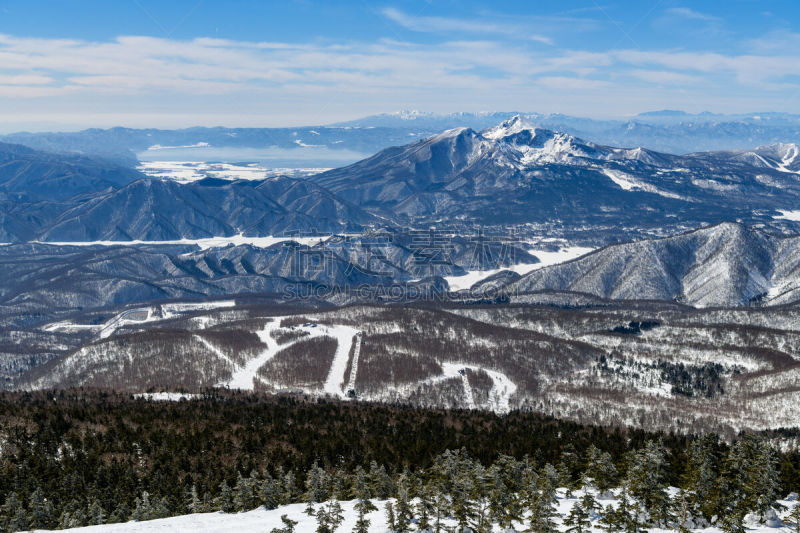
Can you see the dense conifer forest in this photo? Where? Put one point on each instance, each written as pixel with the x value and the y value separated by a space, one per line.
pixel 78 457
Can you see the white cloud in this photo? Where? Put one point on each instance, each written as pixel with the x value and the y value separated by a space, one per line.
pixel 691 14
pixel 205 80
pixel 447 25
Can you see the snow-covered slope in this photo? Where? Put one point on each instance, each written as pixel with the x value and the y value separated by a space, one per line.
pixel 724 265
pixel 263 521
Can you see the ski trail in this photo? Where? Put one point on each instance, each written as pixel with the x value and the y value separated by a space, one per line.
pixel 243 376
pixel 501 392
pixel 344 339
pixel 351 384
pixel 468 397
pixel 499 395
pixel 217 352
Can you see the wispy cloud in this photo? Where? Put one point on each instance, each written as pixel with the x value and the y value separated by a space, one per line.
pixel 691 14
pixel 453 25
pixel 313 82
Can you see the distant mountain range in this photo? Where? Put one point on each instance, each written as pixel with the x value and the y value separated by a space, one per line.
pixel 548 183
pixel 512 185
pixel 517 173
pixel 666 131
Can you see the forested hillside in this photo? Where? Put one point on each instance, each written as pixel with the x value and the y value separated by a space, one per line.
pixel 74 458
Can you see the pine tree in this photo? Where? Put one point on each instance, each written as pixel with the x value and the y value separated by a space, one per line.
pixel 480 496
pixel 142 508
pixel 462 504
pixel 403 511
pixel 340 484
pixel 288 525
pixel 289 489
pixel 425 507
pixel 442 506
pixel 224 501
pixel 765 479
pixel 624 518
pixel 316 484
pixel 363 505
pixel 391 520
pixel 270 492
pixel 381 484
pixel 792 520
pixel 244 493
pixel 542 506
pixel 646 481
pixel 96 514
pixel 40 511
pixel 579 519
pixel 329 517
pixel 192 501
pixel 122 513
pixel 12 514
pixel 72 515
pixel 600 469
pixel 681 506
pixel 701 476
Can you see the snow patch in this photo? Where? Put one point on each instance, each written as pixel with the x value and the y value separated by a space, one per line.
pixel 204 243
pixel 628 183
pixel 785 214
pixel 465 281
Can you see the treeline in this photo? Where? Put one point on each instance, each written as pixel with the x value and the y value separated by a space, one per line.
pixel 74 458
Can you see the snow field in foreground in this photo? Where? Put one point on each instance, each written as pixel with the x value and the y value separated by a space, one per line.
pixel 263 521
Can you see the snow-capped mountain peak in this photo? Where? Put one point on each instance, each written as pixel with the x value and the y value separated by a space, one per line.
pixel 507 128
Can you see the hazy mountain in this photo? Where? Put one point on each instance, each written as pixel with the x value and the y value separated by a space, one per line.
pixel 31 175
pixel 666 131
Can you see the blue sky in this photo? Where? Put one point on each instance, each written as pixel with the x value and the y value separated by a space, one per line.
pixel 71 64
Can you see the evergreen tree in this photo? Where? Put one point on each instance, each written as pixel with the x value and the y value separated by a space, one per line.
pixel 462 504
pixel 363 505
pixel 40 511
pixel 381 484
pixel 542 505
pixel 701 476
pixel 403 511
pixel 316 484
pixel 624 518
pixel 442 506
pixel 142 508
pixel 646 481
pixel 12 514
pixel 192 501
pixel 340 484
pixel 224 501
pixel 289 489
pixel 504 505
pixel 579 519
pixel 288 525
pixel 329 517
pixel 425 507
pixel 682 513
pixel 600 469
pixel 270 492
pixel 96 514
pixel 792 520
pixel 480 496
pixel 245 492
pixel 73 516
pixel 391 520
pixel 765 479
pixel 122 513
